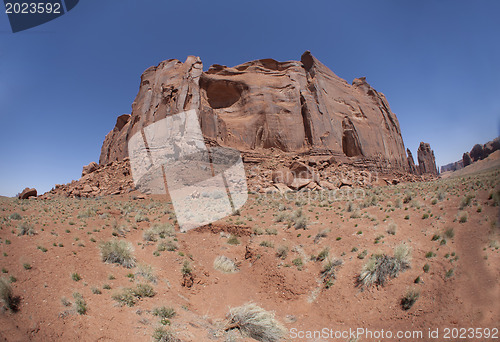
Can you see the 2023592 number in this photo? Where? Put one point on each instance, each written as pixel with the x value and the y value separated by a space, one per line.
pixel 464 333
pixel 31 8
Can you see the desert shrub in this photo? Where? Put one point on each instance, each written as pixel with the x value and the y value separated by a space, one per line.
pixel 350 207
pixel 129 296
pixel 282 252
pixel 6 295
pixel 266 243
pixel 355 214
pixel 298 262
pixel 436 237
pixel 225 264
pixel 410 298
pixel 323 254
pixel 463 217
pixel 281 217
pixel 449 233
pixel 24 228
pixel 321 234
pixel 143 290
pixel 89 212
pixel 164 335
pixel 328 269
pixel 466 201
pixel 117 251
pixel 80 304
pixel 158 230
pixel 300 222
pixel 76 277
pixel 15 216
pixel 186 268
pixel 147 272
pixel 125 297
pixel 271 231
pixel 255 322
pixel 233 240
pixel 380 267
pixel 399 203
pixel 164 312
pixel 426 268
pixel 140 218
pixel 95 290
pixel 392 229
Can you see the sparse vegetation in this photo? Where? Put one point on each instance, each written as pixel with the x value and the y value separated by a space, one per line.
pixel 6 295
pixel 25 228
pixel 117 251
pixel 380 267
pixel 410 298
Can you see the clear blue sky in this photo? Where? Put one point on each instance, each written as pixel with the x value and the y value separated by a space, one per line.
pixel 63 84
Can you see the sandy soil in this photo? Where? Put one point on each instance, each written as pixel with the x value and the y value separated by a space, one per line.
pixel 461 288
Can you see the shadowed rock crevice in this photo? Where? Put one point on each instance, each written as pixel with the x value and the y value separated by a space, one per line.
pixel 350 140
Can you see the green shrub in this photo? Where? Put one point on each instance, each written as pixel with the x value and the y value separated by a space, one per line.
pixel 76 277
pixel 233 240
pixel 117 251
pixel 410 298
pixel 80 304
pixel 164 335
pixel 164 312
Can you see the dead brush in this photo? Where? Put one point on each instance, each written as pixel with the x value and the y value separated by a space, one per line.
pixel 255 322
pixel 381 267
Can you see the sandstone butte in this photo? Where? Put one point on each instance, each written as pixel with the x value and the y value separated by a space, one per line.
pixel 268 110
pixel 292 106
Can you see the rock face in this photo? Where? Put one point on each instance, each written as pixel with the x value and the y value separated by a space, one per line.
pixel 89 168
pixel 478 152
pixel 27 193
pixel 426 160
pixel 411 163
pixel 291 106
pixel 452 166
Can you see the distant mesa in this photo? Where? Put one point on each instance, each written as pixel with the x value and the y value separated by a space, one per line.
pixel 478 152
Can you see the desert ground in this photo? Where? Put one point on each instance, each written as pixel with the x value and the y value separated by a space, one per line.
pixel 116 268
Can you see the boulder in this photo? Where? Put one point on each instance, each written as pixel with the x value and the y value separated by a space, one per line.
pixel 301 170
pixel 282 175
pixel 466 159
pixel 477 153
pixel 27 193
pixel 299 183
pixel 89 168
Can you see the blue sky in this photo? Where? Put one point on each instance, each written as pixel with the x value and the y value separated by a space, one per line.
pixel 63 84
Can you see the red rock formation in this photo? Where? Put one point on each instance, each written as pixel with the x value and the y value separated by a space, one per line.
pixel 426 159
pixel 27 193
pixel 411 163
pixel 293 106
